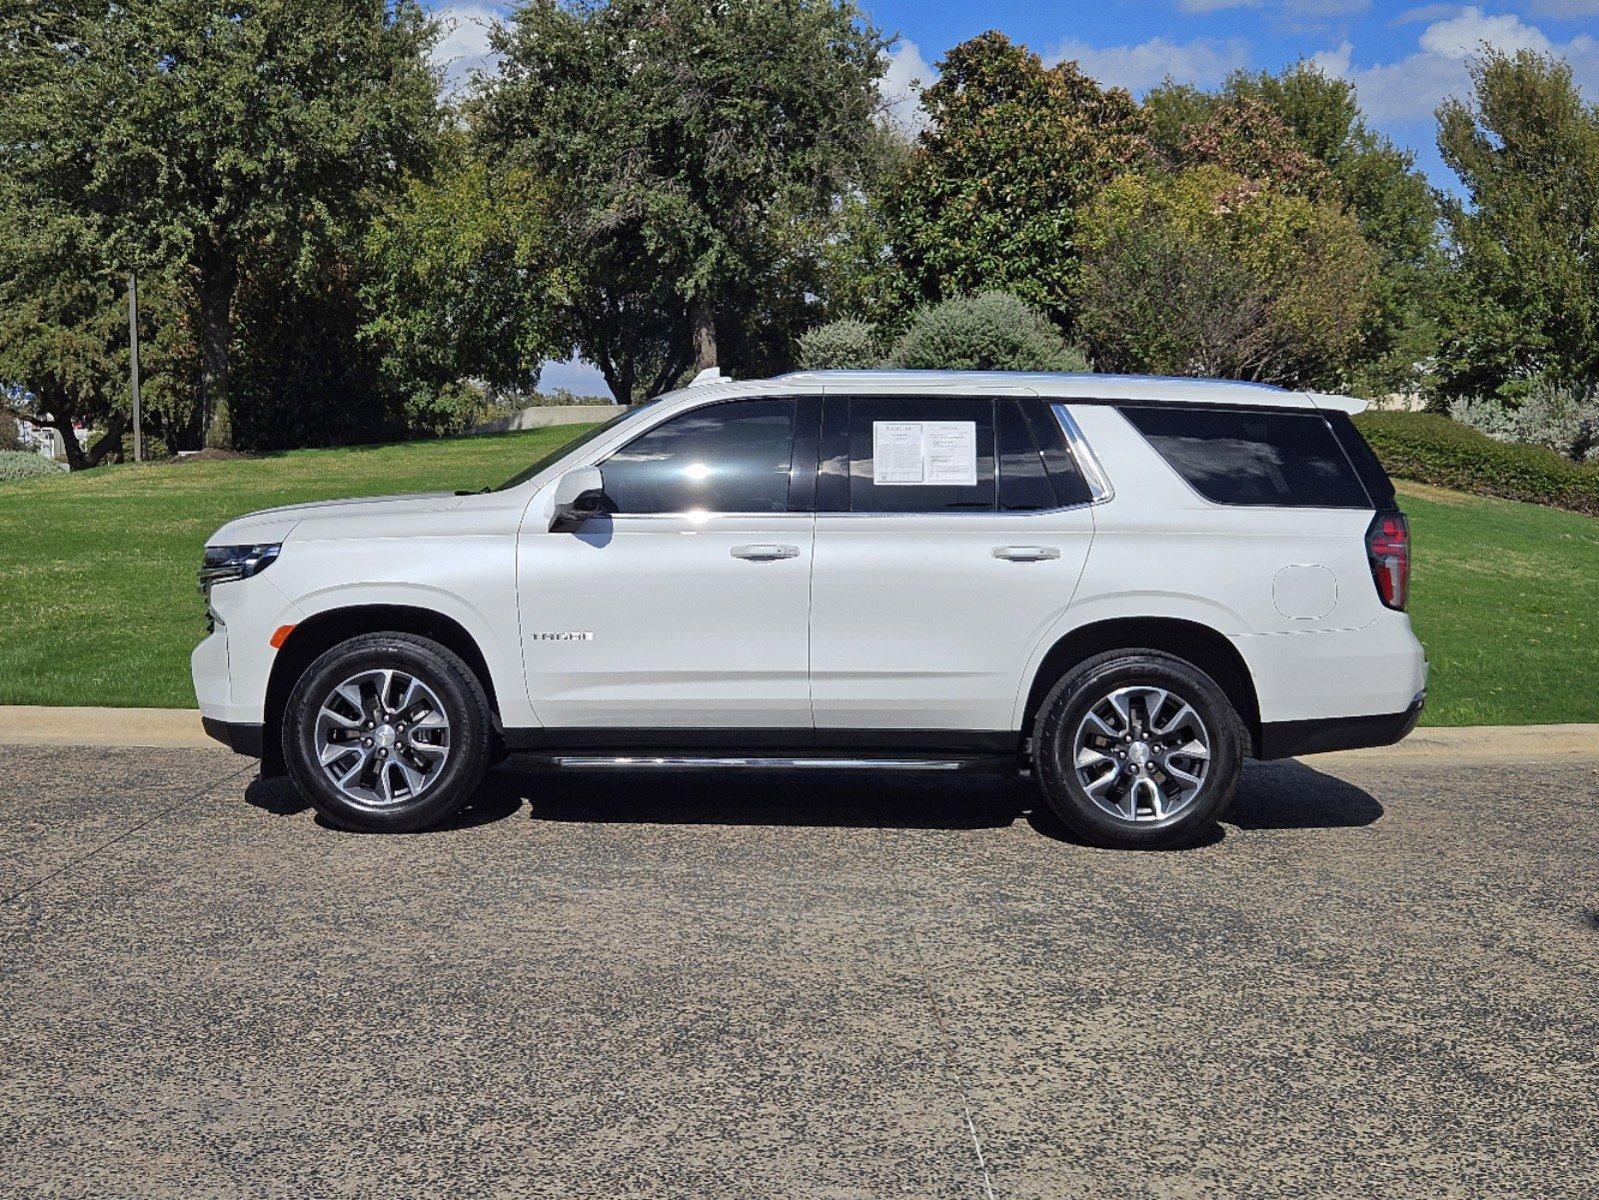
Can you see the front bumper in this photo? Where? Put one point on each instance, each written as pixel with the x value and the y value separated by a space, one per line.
pixel 1289 739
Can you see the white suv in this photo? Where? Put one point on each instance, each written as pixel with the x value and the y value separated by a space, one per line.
pixel 1126 585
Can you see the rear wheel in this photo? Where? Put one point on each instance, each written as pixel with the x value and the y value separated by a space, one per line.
pixel 387 732
pixel 1136 748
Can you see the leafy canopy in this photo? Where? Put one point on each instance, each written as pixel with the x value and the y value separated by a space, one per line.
pixel 1012 149
pixel 1209 273
pixel 1525 296
pixel 685 142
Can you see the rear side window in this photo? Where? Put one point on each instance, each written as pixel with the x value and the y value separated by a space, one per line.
pixel 921 454
pixel 1253 456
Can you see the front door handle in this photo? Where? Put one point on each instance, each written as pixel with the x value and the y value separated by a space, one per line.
pixel 765 552
pixel 1026 553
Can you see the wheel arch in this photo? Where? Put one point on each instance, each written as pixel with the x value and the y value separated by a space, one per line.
pixel 319 633
pixel 1201 645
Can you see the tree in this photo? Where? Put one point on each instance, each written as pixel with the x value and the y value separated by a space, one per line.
pixel 64 333
pixel 1302 131
pixel 684 142
pixel 1397 209
pixel 461 281
pixel 216 136
pixel 1525 300
pixel 1209 273
pixel 1011 151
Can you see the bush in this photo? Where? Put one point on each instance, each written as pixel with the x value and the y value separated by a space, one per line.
pixel 844 344
pixel 992 331
pixel 1202 272
pixel 1560 417
pixel 1433 449
pixel 1488 415
pixel 24 464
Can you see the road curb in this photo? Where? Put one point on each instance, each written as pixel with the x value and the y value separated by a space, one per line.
pixel 179 728
pixel 42 725
pixel 1479 744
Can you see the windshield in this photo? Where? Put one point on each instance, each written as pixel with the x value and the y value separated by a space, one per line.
pixel 566 448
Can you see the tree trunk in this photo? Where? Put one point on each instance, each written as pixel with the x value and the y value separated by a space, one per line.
pixel 217 281
pixel 77 460
pixel 704 325
pixel 109 444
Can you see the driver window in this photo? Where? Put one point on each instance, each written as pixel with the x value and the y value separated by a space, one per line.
pixel 730 458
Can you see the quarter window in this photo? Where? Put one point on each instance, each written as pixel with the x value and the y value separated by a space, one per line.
pixel 1250 456
pixel 730 457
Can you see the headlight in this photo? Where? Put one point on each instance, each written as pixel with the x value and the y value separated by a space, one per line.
pixel 223 564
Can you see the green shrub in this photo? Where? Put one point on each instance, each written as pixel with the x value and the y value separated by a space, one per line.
pixel 840 345
pixel 1429 448
pixel 1559 416
pixel 25 464
pixel 992 331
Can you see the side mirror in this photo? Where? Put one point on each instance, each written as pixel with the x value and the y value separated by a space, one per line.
pixel 579 495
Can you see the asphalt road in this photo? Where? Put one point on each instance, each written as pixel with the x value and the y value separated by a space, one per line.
pixel 802 986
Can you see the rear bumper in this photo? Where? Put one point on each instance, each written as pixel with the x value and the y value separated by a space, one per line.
pixel 1288 739
pixel 238 736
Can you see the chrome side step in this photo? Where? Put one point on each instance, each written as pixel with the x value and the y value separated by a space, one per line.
pixel 702 763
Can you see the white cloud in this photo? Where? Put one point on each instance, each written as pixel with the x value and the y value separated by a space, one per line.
pixel 1203 61
pixel 1334 62
pixel 901 88
pixel 1323 10
pixel 1565 10
pixel 1465 32
pixel 463 47
pixel 1425 12
pixel 1410 89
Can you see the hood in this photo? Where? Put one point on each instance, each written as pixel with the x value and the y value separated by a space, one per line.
pixel 273 524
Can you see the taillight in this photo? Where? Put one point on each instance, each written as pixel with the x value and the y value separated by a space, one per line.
pixel 1388 548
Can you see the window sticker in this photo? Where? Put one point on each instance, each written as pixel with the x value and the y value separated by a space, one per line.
pixel 924 453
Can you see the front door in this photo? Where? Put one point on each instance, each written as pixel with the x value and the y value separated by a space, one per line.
pixel 689 607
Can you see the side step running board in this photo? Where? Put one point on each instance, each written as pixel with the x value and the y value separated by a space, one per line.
pixel 701 763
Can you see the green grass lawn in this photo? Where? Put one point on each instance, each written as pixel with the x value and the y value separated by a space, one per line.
pixel 97 576
pixel 1505 597
pixel 97 570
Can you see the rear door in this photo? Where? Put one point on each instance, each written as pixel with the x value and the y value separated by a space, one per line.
pixel 951 532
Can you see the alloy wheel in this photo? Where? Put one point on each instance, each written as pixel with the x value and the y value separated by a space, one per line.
pixel 1141 753
pixel 382 737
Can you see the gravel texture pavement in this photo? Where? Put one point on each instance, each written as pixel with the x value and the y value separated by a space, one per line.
pixel 1381 983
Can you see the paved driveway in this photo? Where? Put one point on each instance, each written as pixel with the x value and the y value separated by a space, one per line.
pixel 801 986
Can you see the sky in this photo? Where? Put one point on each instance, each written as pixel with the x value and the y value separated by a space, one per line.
pixel 1403 59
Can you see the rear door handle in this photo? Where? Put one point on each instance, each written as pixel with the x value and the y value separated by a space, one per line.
pixel 765 552
pixel 1026 553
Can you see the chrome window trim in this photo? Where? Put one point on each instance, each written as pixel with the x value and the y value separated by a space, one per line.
pixel 1099 488
pixel 708 514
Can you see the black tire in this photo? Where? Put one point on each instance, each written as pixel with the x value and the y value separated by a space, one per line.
pixel 1068 705
pixel 470 734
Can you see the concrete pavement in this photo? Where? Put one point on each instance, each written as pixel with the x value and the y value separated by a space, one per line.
pixel 1378 981
pixel 28 725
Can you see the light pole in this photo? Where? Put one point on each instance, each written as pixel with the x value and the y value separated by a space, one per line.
pixel 133 343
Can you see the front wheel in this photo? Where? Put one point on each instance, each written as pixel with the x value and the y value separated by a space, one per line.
pixel 387 732
pixel 1137 748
